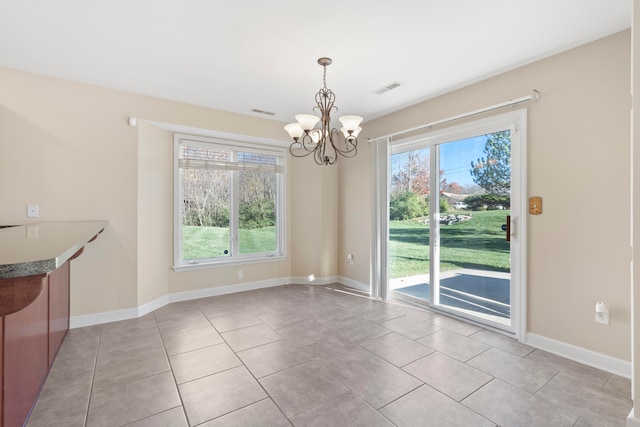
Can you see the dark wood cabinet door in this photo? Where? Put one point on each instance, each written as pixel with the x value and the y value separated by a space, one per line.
pixel 1 370
pixel 26 357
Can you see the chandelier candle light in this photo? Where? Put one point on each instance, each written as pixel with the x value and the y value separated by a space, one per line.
pixel 323 142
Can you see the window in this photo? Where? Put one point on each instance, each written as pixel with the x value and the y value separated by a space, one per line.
pixel 229 202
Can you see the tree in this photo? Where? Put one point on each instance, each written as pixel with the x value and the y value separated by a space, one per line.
pixel 411 174
pixel 257 197
pixel 206 197
pixel 454 188
pixel 493 172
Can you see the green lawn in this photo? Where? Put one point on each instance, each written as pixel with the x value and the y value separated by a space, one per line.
pixel 210 242
pixel 478 244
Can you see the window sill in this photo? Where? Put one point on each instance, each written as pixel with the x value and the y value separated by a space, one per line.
pixel 228 263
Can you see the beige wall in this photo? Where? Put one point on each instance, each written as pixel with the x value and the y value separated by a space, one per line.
pixel 67 147
pixel 578 161
pixel 316 206
pixel 355 213
pixel 155 211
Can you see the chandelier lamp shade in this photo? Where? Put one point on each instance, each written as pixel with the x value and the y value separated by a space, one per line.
pixel 323 141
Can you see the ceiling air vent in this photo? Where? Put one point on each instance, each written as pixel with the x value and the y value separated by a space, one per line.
pixel 268 113
pixel 387 88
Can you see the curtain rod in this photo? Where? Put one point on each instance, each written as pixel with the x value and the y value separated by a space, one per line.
pixel 535 95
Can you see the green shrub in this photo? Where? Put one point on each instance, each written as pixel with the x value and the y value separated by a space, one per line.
pixel 444 205
pixel 257 214
pixel 407 205
pixel 478 202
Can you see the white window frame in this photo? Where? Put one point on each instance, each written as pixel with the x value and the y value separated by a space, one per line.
pixel 235 258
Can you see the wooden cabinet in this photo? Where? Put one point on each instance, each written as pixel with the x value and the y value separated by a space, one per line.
pixel 1 370
pixel 30 339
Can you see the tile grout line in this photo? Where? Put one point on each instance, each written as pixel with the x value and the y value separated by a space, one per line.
pixel 184 411
pixel 461 402
pixel 93 377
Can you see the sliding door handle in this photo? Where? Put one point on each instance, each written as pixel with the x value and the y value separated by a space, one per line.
pixel 507 227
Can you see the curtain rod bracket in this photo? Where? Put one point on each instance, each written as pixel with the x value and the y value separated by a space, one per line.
pixel 535 95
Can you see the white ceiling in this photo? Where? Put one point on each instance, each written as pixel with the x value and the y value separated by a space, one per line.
pixel 261 54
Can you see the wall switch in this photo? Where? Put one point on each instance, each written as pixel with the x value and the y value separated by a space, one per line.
pixel 239 274
pixel 602 313
pixel 535 205
pixel 602 318
pixel 32 211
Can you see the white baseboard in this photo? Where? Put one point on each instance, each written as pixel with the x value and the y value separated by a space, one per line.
pixel 229 289
pixel 153 305
pixel 364 287
pixel 133 313
pixel 104 317
pixel 301 280
pixel 582 355
pixel 632 421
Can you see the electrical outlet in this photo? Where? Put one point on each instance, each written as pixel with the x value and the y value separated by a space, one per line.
pixel 239 274
pixel 32 211
pixel 351 259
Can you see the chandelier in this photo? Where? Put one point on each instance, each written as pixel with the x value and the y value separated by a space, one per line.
pixel 323 142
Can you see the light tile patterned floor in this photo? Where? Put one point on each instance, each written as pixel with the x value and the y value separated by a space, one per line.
pixel 315 356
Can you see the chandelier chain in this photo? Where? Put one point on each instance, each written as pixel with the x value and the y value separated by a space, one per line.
pixel 324 76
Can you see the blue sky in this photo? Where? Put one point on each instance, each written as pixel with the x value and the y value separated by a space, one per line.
pixel 455 158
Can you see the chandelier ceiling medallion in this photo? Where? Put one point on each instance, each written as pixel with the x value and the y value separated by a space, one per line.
pixel 323 142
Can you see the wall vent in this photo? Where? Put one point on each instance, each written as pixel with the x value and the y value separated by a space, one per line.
pixel 387 88
pixel 268 113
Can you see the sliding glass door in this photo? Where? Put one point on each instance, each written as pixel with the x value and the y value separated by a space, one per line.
pixel 452 241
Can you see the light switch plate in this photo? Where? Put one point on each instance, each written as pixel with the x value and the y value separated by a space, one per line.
pixel 535 205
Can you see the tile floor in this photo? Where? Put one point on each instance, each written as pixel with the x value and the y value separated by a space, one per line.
pixel 315 356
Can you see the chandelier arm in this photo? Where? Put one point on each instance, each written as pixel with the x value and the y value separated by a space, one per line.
pixel 351 146
pixel 349 150
pixel 306 144
pixel 297 154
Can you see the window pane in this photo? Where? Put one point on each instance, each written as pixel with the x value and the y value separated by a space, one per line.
pixel 205 213
pixel 257 212
pixel 409 228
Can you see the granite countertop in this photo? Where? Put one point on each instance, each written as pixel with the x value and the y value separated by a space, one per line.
pixel 41 247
